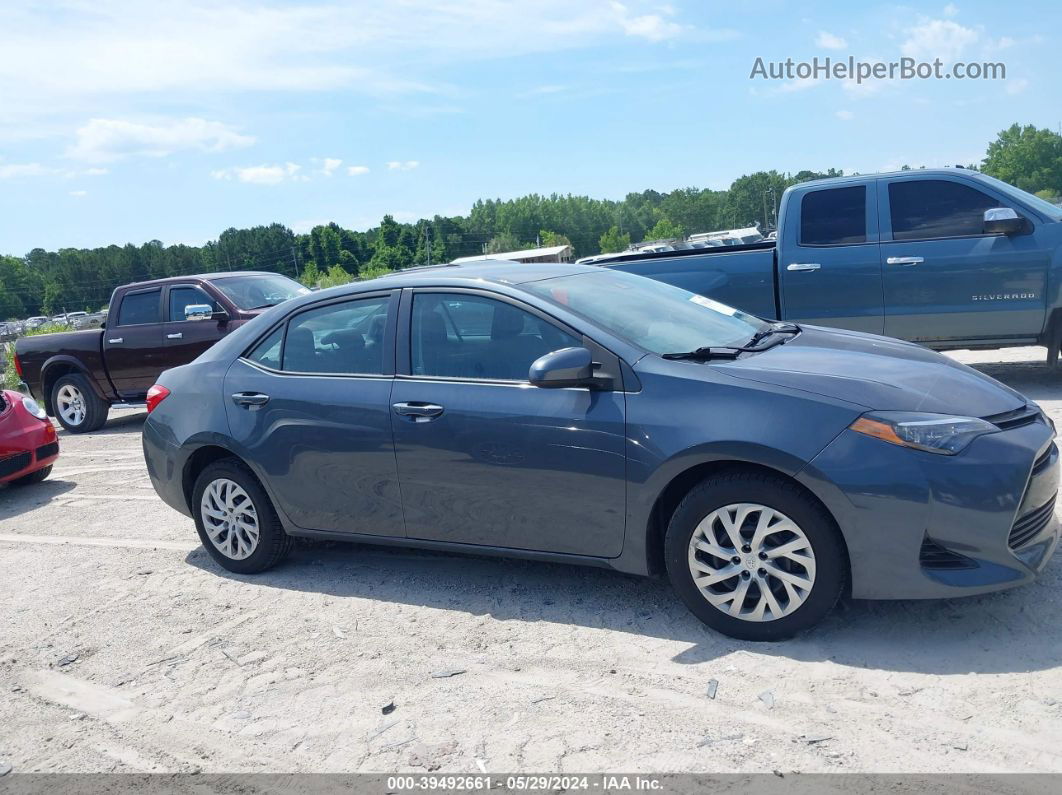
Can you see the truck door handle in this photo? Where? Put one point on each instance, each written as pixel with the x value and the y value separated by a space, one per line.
pixel 115 341
pixel 905 260
pixel 176 336
pixel 803 266
pixel 417 411
pixel 250 400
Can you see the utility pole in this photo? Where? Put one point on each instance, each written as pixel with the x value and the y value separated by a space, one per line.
pixel 295 260
pixel 427 242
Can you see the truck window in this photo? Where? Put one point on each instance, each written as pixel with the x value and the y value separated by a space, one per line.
pixel 930 208
pixel 180 297
pixel 834 217
pixel 139 308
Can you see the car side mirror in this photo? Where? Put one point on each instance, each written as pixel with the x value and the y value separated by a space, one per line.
pixel 1003 221
pixel 198 312
pixel 566 367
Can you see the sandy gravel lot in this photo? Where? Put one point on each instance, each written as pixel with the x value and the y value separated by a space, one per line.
pixel 124 648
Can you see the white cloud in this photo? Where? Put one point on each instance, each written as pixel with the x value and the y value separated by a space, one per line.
pixel 829 41
pixel 938 38
pixel 844 115
pixel 262 175
pixel 328 165
pixel 17 170
pixel 951 10
pixel 652 27
pixel 79 194
pixel 105 140
pixel 402 165
pixel 1017 86
pixel 355 171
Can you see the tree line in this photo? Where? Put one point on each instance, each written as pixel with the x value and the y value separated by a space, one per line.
pixel 70 279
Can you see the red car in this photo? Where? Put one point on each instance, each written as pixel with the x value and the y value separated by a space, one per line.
pixel 28 445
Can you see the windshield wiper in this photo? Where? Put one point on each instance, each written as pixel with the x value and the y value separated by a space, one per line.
pixel 771 330
pixel 706 353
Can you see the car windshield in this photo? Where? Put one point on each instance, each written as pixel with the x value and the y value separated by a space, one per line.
pixel 255 291
pixel 655 316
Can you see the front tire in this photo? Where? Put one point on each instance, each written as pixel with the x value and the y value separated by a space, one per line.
pixel 754 556
pixel 235 519
pixel 76 405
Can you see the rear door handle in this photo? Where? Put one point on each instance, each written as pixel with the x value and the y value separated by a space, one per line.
pixel 115 341
pixel 417 411
pixel 905 260
pixel 250 399
pixel 803 266
pixel 176 336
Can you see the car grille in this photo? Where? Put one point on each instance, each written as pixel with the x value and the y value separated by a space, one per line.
pixel 14 463
pixel 1041 463
pixel 1014 419
pixel 47 450
pixel 1029 526
pixel 934 556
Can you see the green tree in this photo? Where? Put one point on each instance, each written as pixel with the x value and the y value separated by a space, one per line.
pixel 665 229
pixel 334 277
pixel 311 275
pixel 506 241
pixel 612 240
pixel 1027 157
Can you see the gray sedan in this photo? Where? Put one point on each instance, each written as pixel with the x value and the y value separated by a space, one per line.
pixel 570 413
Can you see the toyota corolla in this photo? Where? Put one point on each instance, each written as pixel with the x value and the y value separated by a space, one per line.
pixel 575 414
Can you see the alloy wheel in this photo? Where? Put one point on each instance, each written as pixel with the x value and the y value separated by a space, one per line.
pixel 70 404
pixel 229 518
pixel 751 562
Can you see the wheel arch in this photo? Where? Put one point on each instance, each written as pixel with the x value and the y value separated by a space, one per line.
pixel 679 486
pixel 54 369
pixel 199 460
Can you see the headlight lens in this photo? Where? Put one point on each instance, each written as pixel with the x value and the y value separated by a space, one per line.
pixel 934 433
pixel 34 408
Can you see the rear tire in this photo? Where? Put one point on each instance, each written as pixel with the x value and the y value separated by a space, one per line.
pixel 236 520
pixel 768 559
pixel 33 477
pixel 76 405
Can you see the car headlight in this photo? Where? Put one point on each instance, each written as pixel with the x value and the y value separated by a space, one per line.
pixel 34 408
pixel 934 433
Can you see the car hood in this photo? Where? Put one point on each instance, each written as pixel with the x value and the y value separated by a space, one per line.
pixel 878 373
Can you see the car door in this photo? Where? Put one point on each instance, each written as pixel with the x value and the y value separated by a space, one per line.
pixel 945 279
pixel 132 347
pixel 310 405
pixel 184 339
pixel 485 458
pixel 829 269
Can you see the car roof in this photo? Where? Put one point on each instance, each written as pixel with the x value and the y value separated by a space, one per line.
pixel 911 172
pixel 204 277
pixel 469 274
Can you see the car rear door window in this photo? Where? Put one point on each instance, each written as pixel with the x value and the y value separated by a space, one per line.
pixel 934 208
pixel 475 337
pixel 140 308
pixel 344 339
pixel 834 217
pixel 188 295
pixel 267 352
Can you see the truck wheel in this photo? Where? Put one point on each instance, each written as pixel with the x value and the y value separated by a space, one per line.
pixel 754 557
pixel 235 519
pixel 76 406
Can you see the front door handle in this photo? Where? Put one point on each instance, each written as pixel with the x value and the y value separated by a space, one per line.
pixel 905 260
pixel 803 266
pixel 176 336
pixel 115 341
pixel 250 400
pixel 417 411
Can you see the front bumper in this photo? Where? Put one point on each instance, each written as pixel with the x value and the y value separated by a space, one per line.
pixel 26 443
pixel 919 525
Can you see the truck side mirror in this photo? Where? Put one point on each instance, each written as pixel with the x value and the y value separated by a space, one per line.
pixel 566 367
pixel 199 312
pixel 1003 221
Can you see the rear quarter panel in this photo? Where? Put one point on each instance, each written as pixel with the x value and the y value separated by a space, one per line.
pixel 79 350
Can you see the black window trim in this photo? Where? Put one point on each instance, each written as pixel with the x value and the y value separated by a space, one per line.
pixel 1019 208
pixel 866 223
pixel 283 323
pixel 403 341
pixel 118 316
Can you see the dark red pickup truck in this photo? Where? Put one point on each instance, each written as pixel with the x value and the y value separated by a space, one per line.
pixel 151 326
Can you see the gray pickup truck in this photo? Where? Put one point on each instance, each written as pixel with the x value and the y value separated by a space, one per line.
pixel 949 258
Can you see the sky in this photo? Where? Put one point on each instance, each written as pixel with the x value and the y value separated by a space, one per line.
pixel 132 120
